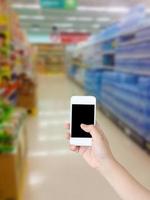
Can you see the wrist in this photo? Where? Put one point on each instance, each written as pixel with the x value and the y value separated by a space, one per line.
pixel 106 166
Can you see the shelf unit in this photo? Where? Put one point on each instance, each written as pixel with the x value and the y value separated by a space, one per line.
pixel 108 52
pixel 122 90
pixel 137 72
pixel 136 41
pixel 134 56
pixel 50 58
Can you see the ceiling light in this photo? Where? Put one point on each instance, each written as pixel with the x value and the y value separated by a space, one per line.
pixel 70 30
pixel 26 6
pixel 103 19
pixel 40 17
pixel 104 9
pixel 83 31
pixel 63 25
pixel 24 17
pixel 72 18
pixel 80 19
pixel 35 29
pixel 96 26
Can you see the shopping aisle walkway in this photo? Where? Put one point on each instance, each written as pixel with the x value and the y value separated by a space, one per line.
pixel 55 173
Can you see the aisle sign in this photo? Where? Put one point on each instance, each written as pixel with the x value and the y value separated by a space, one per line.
pixel 59 4
pixel 73 38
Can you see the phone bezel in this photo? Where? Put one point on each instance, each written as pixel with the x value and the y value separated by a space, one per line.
pixel 82 100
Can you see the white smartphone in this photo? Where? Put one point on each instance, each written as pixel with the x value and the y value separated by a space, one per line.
pixel 83 110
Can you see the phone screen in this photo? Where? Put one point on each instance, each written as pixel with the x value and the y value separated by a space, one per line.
pixel 81 114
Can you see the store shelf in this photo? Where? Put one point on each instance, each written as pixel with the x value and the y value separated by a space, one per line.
pixel 50 57
pixel 137 72
pixel 122 79
pixel 126 129
pixel 13 167
pixel 133 56
pixel 131 31
pixel 108 52
pixel 135 41
pixel 109 38
pixel 52 53
pixel 120 123
pixel 108 67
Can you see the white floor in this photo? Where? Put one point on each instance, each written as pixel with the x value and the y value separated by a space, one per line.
pixel 54 172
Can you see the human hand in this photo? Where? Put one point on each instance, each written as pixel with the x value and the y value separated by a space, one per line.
pixel 99 156
pixel 99 152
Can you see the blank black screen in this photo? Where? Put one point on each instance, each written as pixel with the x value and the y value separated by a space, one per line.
pixel 81 114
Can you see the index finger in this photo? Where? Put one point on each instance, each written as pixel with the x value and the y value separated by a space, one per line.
pixel 67 125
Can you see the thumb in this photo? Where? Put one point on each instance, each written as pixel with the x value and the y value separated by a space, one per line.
pixel 91 129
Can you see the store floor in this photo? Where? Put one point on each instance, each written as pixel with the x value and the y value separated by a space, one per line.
pixel 55 173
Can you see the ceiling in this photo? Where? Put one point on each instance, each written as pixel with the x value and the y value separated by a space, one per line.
pixel 90 16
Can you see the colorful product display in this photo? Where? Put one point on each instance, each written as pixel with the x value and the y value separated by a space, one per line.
pixel 50 58
pixel 15 81
pixel 16 69
pixel 13 151
pixel 10 122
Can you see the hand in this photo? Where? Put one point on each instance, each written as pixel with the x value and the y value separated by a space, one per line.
pixel 99 156
pixel 99 152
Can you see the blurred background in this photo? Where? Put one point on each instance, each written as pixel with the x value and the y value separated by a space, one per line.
pixel 51 50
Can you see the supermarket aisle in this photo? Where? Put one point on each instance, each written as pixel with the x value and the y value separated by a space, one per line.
pixel 56 173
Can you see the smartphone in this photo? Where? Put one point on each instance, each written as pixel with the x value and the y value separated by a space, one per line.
pixel 83 110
